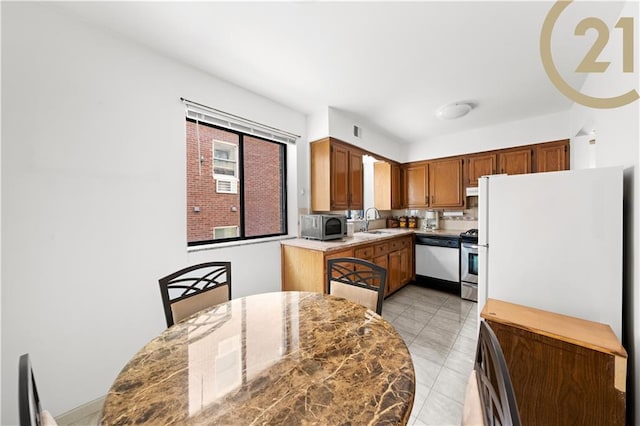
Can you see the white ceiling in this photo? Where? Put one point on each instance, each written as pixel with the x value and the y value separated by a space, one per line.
pixel 390 64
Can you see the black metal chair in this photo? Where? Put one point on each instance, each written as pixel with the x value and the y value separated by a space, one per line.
pixel 357 280
pixel 490 385
pixel 30 410
pixel 195 288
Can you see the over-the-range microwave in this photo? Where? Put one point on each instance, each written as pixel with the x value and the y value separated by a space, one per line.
pixel 323 226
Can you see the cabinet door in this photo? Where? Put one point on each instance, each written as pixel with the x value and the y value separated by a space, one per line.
pixel 396 187
pixel 480 165
pixel 552 157
pixel 416 185
pixel 387 186
pixel 515 162
pixel 339 177
pixel 382 185
pixel 333 255
pixel 394 272
pixel 397 200
pixel 405 269
pixel 445 183
pixel 356 179
pixel 383 261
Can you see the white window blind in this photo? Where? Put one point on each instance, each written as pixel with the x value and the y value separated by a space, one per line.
pixel 196 111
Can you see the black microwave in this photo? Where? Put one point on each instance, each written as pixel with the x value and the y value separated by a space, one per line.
pixel 323 226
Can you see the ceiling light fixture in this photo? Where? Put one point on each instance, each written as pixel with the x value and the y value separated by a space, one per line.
pixel 454 110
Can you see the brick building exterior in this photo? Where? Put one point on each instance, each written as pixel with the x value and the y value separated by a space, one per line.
pixel 207 209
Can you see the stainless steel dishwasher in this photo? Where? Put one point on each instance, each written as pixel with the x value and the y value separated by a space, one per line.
pixel 438 261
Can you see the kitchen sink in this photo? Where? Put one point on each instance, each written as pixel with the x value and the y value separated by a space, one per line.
pixel 375 232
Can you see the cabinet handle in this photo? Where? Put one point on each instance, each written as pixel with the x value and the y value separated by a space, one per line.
pixel 433 197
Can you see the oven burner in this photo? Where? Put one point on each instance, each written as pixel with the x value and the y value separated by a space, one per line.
pixel 470 235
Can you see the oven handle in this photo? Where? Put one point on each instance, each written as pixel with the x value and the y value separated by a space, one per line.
pixel 472 246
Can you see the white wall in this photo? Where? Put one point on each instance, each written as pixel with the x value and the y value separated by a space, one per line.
pixel 372 139
pixel 617 143
pixel 339 124
pixel 94 199
pixel 514 133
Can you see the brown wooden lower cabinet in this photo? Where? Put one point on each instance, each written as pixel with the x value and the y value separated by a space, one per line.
pixel 564 370
pixel 305 269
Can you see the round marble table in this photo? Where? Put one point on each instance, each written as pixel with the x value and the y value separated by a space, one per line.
pixel 276 358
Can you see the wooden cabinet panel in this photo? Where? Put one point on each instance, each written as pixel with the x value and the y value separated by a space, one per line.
pixel 306 270
pixel 380 249
pixel 387 191
pixel 445 183
pixel 480 165
pixel 564 370
pixel 356 181
pixel 321 179
pixel 394 272
pixel 384 262
pixel 416 185
pixel 400 269
pixel 552 157
pixel 397 199
pixel 336 176
pixel 365 253
pixel 334 255
pixel 515 161
pixel 339 178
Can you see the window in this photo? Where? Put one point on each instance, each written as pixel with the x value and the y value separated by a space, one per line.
pixel 236 185
pixel 223 232
pixel 225 159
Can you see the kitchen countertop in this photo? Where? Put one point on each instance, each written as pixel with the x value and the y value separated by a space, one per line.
pixel 441 232
pixel 363 238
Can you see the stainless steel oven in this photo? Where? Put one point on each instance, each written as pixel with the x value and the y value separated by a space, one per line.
pixel 469 267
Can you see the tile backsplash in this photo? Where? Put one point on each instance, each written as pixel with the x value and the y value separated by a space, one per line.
pixel 462 220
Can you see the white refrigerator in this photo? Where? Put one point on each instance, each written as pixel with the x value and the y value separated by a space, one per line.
pixel 553 241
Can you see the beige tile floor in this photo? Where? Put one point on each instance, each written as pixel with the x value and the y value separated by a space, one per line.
pixel 440 330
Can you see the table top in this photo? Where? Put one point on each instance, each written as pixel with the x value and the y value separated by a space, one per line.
pixel 273 358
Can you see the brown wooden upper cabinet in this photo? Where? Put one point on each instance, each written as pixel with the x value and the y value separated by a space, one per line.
pixel 336 176
pixel 552 156
pixel 445 183
pixel 515 161
pixel 387 193
pixel 480 165
pixel 416 185
pixel 435 184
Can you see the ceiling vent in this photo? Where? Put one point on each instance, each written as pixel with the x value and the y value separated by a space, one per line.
pixel 357 131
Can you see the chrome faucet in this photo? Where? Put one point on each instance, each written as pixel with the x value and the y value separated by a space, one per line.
pixel 366 217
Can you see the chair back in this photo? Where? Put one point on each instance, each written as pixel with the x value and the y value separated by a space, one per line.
pixel 496 397
pixel 195 288
pixel 357 280
pixel 30 410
